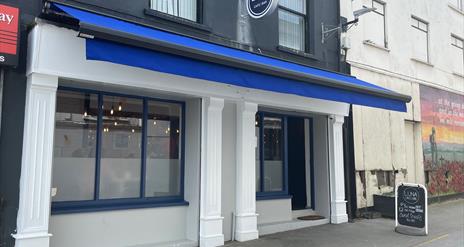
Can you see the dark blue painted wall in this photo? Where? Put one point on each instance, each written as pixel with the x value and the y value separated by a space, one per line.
pixel 218 23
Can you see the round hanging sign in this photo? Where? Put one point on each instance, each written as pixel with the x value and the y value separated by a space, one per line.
pixel 260 8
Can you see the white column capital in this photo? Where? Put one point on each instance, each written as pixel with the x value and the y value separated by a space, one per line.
pixel 247 107
pixel 213 104
pixel 36 165
pixel 337 119
pixel 43 81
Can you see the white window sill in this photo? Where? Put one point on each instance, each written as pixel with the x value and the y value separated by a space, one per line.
pixel 422 62
pixel 458 74
pixel 376 45
pixel 456 9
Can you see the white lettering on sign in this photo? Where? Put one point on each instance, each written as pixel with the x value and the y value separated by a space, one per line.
pixel 6 18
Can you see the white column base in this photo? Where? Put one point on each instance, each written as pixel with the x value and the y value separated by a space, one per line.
pixel 32 240
pixel 339 219
pixel 338 215
pixel 246 227
pixel 211 232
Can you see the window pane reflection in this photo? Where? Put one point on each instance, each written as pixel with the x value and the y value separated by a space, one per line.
pixel 291 30
pixel 163 164
pixel 273 154
pixel 75 146
pixel 120 166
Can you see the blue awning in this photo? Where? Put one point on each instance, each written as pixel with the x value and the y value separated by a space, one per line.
pixel 117 41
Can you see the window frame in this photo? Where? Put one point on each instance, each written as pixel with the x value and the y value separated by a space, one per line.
pixel 95 205
pixel 260 193
pixel 384 4
pixel 454 36
pixel 460 5
pixel 199 12
pixel 307 48
pixel 427 32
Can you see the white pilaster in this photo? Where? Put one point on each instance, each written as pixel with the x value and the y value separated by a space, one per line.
pixel 337 178
pixel 36 165
pixel 210 199
pixel 246 218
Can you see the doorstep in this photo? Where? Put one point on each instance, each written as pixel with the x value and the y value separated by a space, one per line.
pixel 179 243
pixel 270 228
pixel 302 212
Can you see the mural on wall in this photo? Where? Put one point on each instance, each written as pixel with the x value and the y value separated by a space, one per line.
pixel 442 140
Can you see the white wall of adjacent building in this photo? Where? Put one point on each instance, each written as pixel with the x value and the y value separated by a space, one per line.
pixel 388 51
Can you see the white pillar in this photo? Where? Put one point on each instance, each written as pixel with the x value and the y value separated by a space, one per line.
pixel 210 198
pixel 245 213
pixel 36 165
pixel 337 178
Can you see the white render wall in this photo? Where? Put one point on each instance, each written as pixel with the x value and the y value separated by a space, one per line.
pixel 118 228
pixel 383 138
pixel 273 211
pixel 228 167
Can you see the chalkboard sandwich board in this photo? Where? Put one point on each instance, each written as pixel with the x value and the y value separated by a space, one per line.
pixel 411 209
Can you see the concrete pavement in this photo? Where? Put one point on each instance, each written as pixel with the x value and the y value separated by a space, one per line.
pixel 446 229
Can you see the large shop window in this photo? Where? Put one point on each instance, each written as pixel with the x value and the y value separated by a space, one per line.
pixel 271 158
pixel 292 24
pixel 186 9
pixel 113 151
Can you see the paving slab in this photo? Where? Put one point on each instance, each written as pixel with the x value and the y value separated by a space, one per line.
pixel 446 229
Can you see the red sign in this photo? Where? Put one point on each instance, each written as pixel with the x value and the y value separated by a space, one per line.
pixel 9 35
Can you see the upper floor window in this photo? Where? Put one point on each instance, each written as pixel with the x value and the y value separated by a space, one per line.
pixel 420 38
pixel 292 24
pixel 375 23
pixel 459 4
pixel 458 53
pixel 186 9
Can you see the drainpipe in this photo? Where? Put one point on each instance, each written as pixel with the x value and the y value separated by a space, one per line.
pixel 244 33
